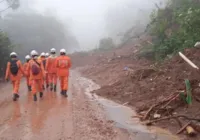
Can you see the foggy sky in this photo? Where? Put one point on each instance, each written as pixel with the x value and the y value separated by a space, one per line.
pixel 85 18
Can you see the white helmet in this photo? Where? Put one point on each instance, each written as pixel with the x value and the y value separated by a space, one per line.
pixel 27 57
pixel 53 50
pixel 34 52
pixel 42 54
pixel 62 51
pixel 47 54
pixel 13 54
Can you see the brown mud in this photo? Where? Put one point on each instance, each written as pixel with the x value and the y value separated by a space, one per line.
pixel 78 117
pixel 141 83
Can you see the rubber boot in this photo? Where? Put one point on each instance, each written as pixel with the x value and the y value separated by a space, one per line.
pixel 54 88
pixel 65 93
pixel 47 85
pixel 41 94
pixel 29 88
pixel 14 97
pixel 62 92
pixel 35 97
pixel 51 87
pixel 17 95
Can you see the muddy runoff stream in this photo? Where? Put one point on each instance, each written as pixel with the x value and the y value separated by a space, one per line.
pixel 81 116
pixel 122 116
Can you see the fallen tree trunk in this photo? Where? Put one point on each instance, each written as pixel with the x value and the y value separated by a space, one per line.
pixel 183 128
pixel 188 61
pixel 172 117
pixel 169 99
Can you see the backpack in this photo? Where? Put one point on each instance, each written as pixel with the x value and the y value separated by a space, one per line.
pixel 14 67
pixel 35 68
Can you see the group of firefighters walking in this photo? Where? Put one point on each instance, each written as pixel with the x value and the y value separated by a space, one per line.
pixel 40 71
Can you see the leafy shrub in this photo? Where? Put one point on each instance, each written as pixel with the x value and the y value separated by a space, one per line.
pixel 175 27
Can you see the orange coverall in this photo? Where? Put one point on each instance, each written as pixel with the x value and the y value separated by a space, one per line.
pixel 46 74
pixel 52 70
pixel 15 79
pixel 36 80
pixel 63 64
pixel 27 74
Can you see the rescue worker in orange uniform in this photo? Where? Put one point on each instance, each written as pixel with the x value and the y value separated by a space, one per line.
pixel 43 59
pixel 63 63
pixel 14 72
pixel 36 70
pixel 28 81
pixel 52 70
pixel 47 75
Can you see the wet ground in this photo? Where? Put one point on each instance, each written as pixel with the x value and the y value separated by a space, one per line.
pixel 81 116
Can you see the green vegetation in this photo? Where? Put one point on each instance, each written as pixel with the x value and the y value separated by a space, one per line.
pixel 105 44
pixel 188 91
pixel 5 43
pixel 5 49
pixel 175 27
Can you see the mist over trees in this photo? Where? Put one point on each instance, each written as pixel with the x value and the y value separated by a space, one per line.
pixel 23 31
pixel 130 18
pixel 35 31
pixel 106 43
pixel 14 4
pixel 6 45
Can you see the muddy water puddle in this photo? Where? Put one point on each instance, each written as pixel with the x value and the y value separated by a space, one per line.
pixel 28 120
pixel 122 116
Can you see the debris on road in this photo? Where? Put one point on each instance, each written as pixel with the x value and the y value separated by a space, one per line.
pixel 188 61
pixel 155 91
